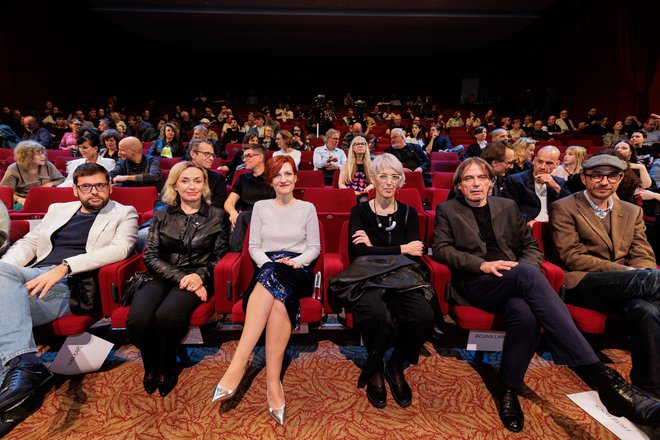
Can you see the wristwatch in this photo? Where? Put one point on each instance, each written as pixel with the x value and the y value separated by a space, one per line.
pixel 66 263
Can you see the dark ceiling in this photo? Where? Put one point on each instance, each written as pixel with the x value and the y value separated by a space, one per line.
pixel 324 27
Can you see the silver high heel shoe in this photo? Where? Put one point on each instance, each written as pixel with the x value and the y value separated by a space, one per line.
pixel 278 414
pixel 222 393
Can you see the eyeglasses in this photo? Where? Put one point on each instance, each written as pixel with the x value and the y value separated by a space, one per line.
pixel 395 178
pixel 86 188
pixel 249 156
pixel 481 178
pixel 357 144
pixel 206 154
pixel 334 138
pixel 597 177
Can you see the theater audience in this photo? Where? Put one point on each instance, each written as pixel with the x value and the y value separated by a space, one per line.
pixel 497 270
pixel 438 142
pixel 329 158
pixel 284 245
pixel 168 143
pixel 475 150
pixel 401 317
pixel 565 124
pixel 35 132
pixel 617 135
pixel 72 238
pixel 355 172
pixel 600 242
pixel 411 156
pixel 499 135
pixel 89 151
pixel 534 190
pixel 538 134
pixel 356 130
pixel 416 135
pixel 516 132
pixel 284 141
pixel 247 190
pixel 30 169
pixel 69 139
pixel 268 140
pixel 134 168
pixel 185 242
pixel 110 141
pixel 572 167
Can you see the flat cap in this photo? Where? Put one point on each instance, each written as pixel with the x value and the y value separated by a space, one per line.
pixel 604 160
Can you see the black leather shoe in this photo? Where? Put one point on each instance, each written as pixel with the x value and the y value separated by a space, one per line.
pixel 150 385
pixel 22 381
pixel 377 395
pixel 625 400
pixel 401 392
pixel 19 412
pixel 511 413
pixel 167 385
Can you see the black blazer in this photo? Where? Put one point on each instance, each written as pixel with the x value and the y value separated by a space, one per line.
pixel 520 187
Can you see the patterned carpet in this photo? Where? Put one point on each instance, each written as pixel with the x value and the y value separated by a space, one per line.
pixel 451 400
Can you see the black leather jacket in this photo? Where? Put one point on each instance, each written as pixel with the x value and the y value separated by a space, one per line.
pixel 180 244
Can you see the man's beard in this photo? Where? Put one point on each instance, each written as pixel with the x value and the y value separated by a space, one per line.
pixel 94 208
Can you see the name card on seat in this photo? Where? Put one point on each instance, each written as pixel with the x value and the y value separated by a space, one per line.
pixel 485 341
pixel 80 354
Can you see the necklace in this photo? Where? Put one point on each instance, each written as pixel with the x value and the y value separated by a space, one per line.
pixel 392 223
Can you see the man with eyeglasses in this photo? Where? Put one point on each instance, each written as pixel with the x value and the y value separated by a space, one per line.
pixel 247 190
pixel 72 238
pixel 329 158
pixel 535 190
pixel 610 266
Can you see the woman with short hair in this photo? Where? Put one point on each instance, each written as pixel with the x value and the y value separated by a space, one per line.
pixel 89 151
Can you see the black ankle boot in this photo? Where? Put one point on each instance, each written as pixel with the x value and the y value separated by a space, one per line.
pixel 511 413
pixel 625 400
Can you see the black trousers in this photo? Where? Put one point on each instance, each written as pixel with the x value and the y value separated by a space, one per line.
pixel 529 302
pixel 157 322
pixel 237 236
pixel 637 294
pixel 399 319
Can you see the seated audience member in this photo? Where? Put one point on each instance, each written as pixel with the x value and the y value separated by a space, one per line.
pixel 396 123
pixel 654 173
pixel 284 245
pixel 472 121
pixel 629 154
pixel 284 141
pixel 644 153
pixel 505 123
pixel 168 143
pixel 110 142
pixel 475 150
pixel 565 124
pixel 259 125
pixel 106 124
pixel 499 155
pixel 497 269
pixel 268 139
pixel 233 134
pixel 202 155
pixel 631 124
pixel 416 135
pixel 402 318
pixel 489 119
pixel 523 153
pixel 538 134
pixel 499 135
pixel 599 129
pixel 535 190
pixel 572 167
pixel 456 120
pixel 354 174
pixel 185 242
pixel 356 130
pixel 516 132
pixel 30 169
pixel 438 142
pixel 328 158
pixel 72 238
pixel 89 152
pixel 299 141
pixel 134 168
pixel 600 242
pixel 201 132
pixel 247 190
pixel 617 135
pixel 411 156
pixel 59 129
pixel 35 132
pixel 69 139
pixel 206 123
pixel 552 127
pixel 237 161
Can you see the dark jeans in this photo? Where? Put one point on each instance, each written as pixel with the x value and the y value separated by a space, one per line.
pixel 237 236
pixel 529 302
pixel 157 322
pixel 399 319
pixel 637 294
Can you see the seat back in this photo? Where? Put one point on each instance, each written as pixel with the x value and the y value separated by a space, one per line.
pixel 333 207
pixel 18 230
pixel 7 196
pixel 141 198
pixel 166 163
pixel 52 155
pixel 442 179
pixel 415 180
pixel 310 179
pixel 39 198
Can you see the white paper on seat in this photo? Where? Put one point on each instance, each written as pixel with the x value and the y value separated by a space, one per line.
pixel 619 426
pixel 80 354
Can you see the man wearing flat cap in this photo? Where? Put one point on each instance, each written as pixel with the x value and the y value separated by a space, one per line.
pixel 610 266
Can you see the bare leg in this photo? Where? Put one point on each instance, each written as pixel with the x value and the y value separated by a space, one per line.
pixel 278 331
pixel 257 313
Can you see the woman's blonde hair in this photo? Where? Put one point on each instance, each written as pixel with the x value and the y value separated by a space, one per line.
pixel 519 148
pixel 351 161
pixel 171 197
pixel 25 151
pixel 387 160
pixel 580 154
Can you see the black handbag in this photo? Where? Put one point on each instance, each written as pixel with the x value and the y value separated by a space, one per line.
pixel 132 285
pixel 84 289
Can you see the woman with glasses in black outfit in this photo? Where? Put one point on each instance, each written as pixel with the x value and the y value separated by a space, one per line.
pixel 403 319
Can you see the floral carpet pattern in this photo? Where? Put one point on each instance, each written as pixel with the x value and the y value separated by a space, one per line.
pixel 451 400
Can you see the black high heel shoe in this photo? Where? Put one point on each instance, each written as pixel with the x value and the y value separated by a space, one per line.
pixel 150 384
pixel 167 385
